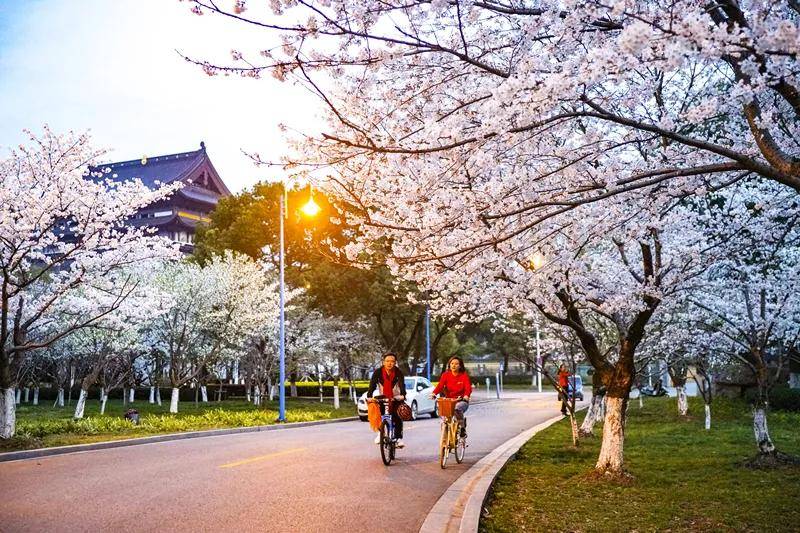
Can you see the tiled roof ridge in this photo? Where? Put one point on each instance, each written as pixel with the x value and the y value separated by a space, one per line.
pixel 157 159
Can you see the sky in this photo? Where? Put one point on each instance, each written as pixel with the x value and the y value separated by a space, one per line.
pixel 111 67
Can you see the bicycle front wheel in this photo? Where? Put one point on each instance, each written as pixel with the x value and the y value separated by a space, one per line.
pixel 444 445
pixel 386 444
pixel 461 448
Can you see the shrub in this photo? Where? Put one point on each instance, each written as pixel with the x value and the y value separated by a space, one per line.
pixel 780 398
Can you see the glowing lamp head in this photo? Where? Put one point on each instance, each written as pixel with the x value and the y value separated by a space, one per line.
pixel 310 209
pixel 536 261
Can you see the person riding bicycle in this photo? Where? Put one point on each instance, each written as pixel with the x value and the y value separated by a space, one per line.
pixel 389 381
pixel 456 384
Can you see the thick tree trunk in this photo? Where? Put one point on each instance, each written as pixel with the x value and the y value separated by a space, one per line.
pixel 152 398
pixel 611 451
pixel 592 416
pixel 131 394
pixel 173 401
pixel 271 389
pixel 336 396
pixel 257 395
pixel 708 416
pixel 8 413
pixel 36 396
pixel 247 393
pixel 158 396
pixel 204 393
pixel 18 396
pixel 60 398
pixel 103 402
pixel 763 440
pixel 683 402
pixel 25 394
pixel 81 405
pixel 293 390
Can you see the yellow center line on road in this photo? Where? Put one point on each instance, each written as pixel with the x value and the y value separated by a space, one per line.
pixel 262 457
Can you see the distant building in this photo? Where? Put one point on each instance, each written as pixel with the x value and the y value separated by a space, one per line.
pixel 176 217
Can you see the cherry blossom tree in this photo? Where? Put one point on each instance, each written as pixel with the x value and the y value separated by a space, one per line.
pixel 473 136
pixel 62 231
pixel 209 310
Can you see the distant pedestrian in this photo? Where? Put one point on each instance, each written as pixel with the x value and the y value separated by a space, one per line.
pixel 563 383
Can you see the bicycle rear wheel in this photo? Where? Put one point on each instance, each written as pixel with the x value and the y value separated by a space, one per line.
pixel 386 444
pixel 444 445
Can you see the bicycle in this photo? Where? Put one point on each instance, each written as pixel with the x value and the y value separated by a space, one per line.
pixel 450 440
pixel 388 440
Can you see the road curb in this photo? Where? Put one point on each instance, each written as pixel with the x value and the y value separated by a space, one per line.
pixel 75 448
pixel 458 510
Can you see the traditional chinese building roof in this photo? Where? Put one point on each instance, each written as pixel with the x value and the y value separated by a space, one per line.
pixel 201 180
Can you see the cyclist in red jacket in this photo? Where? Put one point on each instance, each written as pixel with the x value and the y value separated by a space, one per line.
pixel 455 384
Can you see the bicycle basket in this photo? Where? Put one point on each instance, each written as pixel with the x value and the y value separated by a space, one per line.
pixel 374 416
pixel 447 406
pixel 404 411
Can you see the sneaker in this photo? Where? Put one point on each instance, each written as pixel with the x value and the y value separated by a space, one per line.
pixel 377 439
pixel 399 444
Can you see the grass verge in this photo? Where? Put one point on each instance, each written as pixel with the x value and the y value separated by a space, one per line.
pixel 684 478
pixel 45 426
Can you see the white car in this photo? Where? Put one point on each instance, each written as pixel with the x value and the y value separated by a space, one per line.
pixel 418 397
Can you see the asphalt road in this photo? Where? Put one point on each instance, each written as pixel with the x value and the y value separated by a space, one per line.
pixel 319 478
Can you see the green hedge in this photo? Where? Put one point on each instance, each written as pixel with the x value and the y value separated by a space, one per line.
pixel 780 398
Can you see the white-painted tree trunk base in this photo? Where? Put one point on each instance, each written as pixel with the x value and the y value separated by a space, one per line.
pixel 173 401
pixel 272 391
pixel 592 416
pixel 131 394
pixel 794 380
pixel 761 431
pixel 8 414
pixel 641 402
pixel 103 402
pixel 60 398
pixel 81 405
pixel 158 396
pixel 17 396
pixel 611 457
pixel 204 393
pixel 257 395
pixel 247 394
pixel 708 416
pixel 335 397
pixel 683 402
pixel 36 396
pixel 25 394
pixel 152 398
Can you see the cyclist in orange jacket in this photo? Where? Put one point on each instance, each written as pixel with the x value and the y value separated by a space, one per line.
pixel 455 384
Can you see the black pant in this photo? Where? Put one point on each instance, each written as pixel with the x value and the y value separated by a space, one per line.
pixel 396 420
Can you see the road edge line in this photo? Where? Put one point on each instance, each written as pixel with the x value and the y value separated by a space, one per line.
pixel 459 508
pixel 20 455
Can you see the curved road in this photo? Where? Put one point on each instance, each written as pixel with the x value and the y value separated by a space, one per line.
pixel 318 478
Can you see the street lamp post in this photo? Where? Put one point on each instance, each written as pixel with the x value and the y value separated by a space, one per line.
pixel 281 338
pixel 538 360
pixel 310 209
pixel 428 340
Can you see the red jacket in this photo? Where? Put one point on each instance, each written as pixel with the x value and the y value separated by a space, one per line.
pixel 454 386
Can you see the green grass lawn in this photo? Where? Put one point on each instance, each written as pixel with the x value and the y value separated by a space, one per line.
pixel 684 478
pixel 45 426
